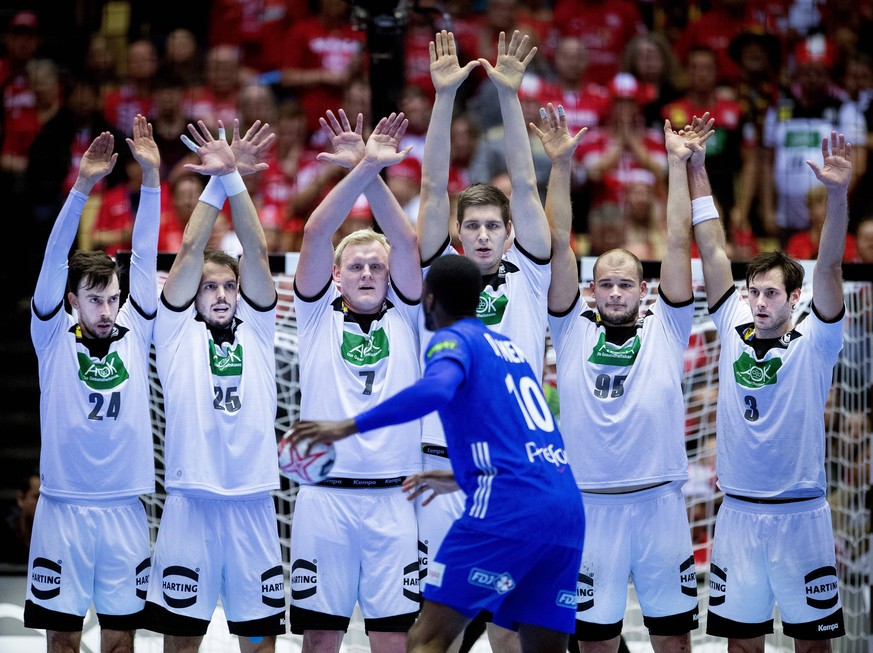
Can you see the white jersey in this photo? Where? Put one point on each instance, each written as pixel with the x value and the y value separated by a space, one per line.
pixel 515 304
pixel 622 407
pixel 770 416
pixel 344 371
pixel 103 422
pixel 796 138
pixel 220 402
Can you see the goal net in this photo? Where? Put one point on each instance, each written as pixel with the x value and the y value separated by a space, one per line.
pixel 848 428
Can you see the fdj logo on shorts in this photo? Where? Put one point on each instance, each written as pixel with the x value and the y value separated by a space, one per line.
pixel 491 309
pixel 751 374
pixel 364 350
pixel 622 357
pixel 499 582
pixel 111 373
pixel 226 360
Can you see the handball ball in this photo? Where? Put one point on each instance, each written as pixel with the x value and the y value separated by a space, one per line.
pixel 306 468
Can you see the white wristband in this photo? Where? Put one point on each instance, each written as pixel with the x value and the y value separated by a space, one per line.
pixel 703 209
pixel 233 183
pixel 214 194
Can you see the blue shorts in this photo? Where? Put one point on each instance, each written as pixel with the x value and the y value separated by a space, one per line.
pixel 519 583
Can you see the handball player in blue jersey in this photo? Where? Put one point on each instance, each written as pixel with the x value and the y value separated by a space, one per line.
pixel 516 549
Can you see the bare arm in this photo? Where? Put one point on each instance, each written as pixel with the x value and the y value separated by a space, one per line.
pixel 709 234
pixel 434 206
pixel 836 175
pixel 256 281
pixel 403 257
pixel 528 217
pixel 559 145
pixel 184 277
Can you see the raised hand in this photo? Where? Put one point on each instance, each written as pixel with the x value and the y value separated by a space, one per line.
pixel 677 142
pixel 696 135
pixel 215 155
pixel 348 143
pixel 98 160
pixel 837 158
pixel 383 142
pixel 142 145
pixel 512 61
pixel 445 71
pixel 557 141
pixel 250 150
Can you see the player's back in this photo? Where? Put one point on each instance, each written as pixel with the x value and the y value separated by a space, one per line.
pixel 506 451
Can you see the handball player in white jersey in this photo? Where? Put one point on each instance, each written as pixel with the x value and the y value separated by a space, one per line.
pixel 623 411
pixel 773 541
pixel 515 551
pixel 354 538
pixel 90 541
pixel 214 339
pixel 507 238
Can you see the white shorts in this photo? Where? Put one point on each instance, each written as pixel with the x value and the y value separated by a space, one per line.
pixel 83 553
pixel 436 518
pixel 645 536
pixel 211 548
pixel 353 545
pixel 774 553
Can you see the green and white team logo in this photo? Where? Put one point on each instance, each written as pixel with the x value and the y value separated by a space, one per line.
pixel 110 373
pixel 365 350
pixel 226 360
pixel 753 374
pixel 624 356
pixel 491 309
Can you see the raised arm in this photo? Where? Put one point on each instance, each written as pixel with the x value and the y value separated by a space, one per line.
pixel 316 253
pixel 256 281
pixel 528 218
pixel 97 162
pixel 676 266
pixel 709 233
pixel 827 275
pixel 560 145
pixel 434 207
pixel 216 160
pixel 144 240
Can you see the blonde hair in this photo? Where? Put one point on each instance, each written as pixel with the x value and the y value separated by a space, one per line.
pixel 359 237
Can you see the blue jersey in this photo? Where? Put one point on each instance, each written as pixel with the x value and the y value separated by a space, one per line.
pixel 506 451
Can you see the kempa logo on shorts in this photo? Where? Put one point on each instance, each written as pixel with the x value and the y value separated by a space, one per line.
pixel 410 582
pixel 180 586
pixel 111 373
pixel 273 587
pixel 365 350
pixel 499 582
pixel 550 454
pixel 584 592
pixel 491 309
pixel 304 579
pixel 751 374
pixel 604 354
pixel 822 588
pixel 566 599
pixel 143 572
pixel 227 360
pixel 45 579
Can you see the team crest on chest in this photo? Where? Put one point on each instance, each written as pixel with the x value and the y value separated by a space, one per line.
pixel 620 357
pixel 491 308
pixel 753 374
pixel 102 375
pixel 225 360
pixel 364 350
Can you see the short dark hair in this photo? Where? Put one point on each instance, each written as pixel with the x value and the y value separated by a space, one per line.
pixel 220 257
pixel 792 271
pixel 455 282
pixel 483 195
pixel 97 269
